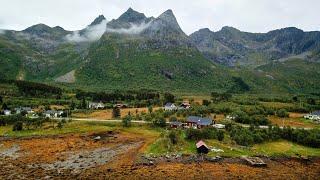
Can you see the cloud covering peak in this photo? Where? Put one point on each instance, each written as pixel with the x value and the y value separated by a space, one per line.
pixel 91 33
pixel 94 32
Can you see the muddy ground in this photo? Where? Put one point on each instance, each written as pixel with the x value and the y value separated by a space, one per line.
pixel 115 155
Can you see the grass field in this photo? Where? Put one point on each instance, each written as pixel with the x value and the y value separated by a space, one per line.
pixel 294 120
pixel 230 149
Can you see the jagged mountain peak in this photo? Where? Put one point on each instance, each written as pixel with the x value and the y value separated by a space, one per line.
pixel 229 29
pixel 37 27
pixel 132 16
pixel 128 18
pixel 45 30
pixel 168 16
pixel 98 20
pixel 166 22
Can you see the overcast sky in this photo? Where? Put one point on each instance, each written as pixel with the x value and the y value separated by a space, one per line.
pixel 246 15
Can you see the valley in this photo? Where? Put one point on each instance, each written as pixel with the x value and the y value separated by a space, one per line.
pixel 135 97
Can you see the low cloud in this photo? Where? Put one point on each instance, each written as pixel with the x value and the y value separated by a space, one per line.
pixel 94 33
pixel 134 29
pixel 2 31
pixel 91 33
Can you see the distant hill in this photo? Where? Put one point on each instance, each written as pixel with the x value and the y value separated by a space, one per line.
pixel 139 52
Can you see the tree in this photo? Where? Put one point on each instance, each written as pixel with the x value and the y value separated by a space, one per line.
pixel 116 112
pixel 83 103
pixel 220 135
pixel 18 126
pixel 160 122
pixel 150 109
pixel 206 102
pixel 60 125
pixel 169 98
pixel 282 113
pixel 173 136
pixel 295 98
pixel 173 119
pixel 126 121
pixel 311 101
pixel 1 100
pixel 72 105
pixel 4 106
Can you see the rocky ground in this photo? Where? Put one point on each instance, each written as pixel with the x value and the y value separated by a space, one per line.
pixel 114 155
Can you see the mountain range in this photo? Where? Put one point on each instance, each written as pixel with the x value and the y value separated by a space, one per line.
pixel 139 52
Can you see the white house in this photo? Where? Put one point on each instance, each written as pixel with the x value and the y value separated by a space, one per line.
pixel 7 112
pixel 170 107
pixel 93 105
pixel 53 114
pixel 26 109
pixel 315 116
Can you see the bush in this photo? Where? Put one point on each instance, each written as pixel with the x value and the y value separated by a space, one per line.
pixel 198 134
pixel 159 122
pixel 126 122
pixel 282 113
pixel 60 125
pixel 173 136
pixel 173 119
pixel 116 112
pixel 18 126
pixel 220 135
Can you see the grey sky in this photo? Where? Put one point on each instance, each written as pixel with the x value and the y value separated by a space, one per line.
pixel 246 15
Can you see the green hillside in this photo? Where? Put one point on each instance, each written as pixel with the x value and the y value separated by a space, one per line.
pixel 125 64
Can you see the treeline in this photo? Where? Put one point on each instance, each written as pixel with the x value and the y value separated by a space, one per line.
pixel 249 136
pixel 118 96
pixel 33 89
pixel 20 122
pixel 37 89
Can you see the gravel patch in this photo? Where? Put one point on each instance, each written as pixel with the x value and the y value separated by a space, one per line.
pixel 11 152
pixel 89 159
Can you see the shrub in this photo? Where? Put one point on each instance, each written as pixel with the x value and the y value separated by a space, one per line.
pixel 159 122
pixel 126 122
pixel 173 119
pixel 198 134
pixel 220 135
pixel 116 112
pixel 18 126
pixel 173 136
pixel 282 113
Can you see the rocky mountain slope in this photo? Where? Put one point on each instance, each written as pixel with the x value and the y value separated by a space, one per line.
pixel 232 47
pixel 135 51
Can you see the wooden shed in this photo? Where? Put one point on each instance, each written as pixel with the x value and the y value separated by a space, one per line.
pixel 202 148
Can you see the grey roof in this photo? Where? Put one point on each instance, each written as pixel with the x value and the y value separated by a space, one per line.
pixel 316 113
pixel 169 104
pixel 199 120
pixel 176 123
pixel 23 109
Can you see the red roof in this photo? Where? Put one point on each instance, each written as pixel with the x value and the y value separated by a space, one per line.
pixel 201 143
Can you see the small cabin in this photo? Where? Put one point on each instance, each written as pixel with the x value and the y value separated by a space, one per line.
pixel 170 107
pixel 185 105
pixel 202 148
pixel 94 105
pixel 7 112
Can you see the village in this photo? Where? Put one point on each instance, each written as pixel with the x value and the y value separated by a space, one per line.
pixel 163 130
